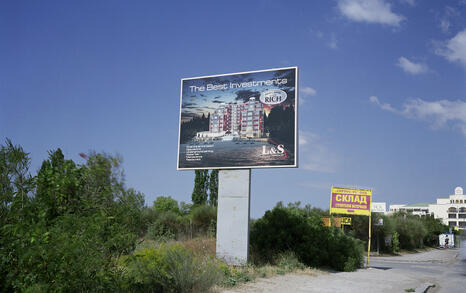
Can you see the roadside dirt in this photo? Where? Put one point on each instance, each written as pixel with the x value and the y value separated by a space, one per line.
pixel 392 274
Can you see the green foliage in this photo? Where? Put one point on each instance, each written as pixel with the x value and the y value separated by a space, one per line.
pixel 345 252
pixel 232 277
pixel 434 227
pixel 170 269
pixel 15 181
pixel 201 180
pixel 395 243
pixel 166 204
pixel 301 231
pixel 413 231
pixel 74 254
pixel 204 218
pixel 129 209
pixel 61 230
pixel 213 188
pixel 60 186
pixel 288 262
pixel 167 225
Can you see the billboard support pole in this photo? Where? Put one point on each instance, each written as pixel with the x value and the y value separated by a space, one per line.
pixel 369 244
pixel 233 212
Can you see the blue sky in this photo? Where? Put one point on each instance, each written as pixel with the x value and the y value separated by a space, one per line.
pixel 382 88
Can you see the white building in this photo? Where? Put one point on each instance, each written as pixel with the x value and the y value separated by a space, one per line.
pixel 245 119
pixel 252 123
pixel 379 207
pixel 419 209
pixel 451 210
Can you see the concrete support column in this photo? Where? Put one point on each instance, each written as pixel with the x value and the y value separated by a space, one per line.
pixel 234 188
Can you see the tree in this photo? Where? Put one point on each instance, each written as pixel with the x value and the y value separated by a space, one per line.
pixel 213 188
pixel 60 186
pixel 15 181
pixel 62 230
pixel 199 195
pixel 166 204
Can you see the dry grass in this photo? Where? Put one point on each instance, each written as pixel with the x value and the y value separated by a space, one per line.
pixel 202 245
pixel 235 275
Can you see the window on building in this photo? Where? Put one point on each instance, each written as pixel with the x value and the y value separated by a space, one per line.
pixel 462 224
pixel 452 216
pixel 462 216
pixel 462 210
pixel 452 210
pixel 452 224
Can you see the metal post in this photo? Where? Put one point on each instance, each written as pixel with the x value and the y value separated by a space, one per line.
pixel 369 244
pixel 233 215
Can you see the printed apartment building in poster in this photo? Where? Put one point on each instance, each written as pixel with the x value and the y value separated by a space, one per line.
pixel 239 120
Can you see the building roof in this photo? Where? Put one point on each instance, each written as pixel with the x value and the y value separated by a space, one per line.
pixel 419 204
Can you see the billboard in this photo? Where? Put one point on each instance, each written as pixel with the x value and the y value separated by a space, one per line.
pixel 379 207
pixel 239 120
pixel 350 201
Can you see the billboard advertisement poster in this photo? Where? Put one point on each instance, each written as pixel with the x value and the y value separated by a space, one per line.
pixel 350 201
pixel 239 120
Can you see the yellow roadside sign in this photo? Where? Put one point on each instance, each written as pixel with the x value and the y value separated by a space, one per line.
pixel 350 201
pixel 346 221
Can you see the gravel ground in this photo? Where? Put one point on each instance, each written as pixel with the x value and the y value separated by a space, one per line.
pixel 410 272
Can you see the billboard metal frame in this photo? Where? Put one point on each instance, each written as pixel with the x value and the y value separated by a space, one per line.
pixel 296 142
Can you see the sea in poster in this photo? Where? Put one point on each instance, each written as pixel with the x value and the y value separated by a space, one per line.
pixel 239 120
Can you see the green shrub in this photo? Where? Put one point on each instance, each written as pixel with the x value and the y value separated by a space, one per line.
pixel 395 243
pixel 301 232
pixel 169 269
pixel 233 276
pixel 166 204
pixel 281 230
pixel 188 272
pixel 167 225
pixel 288 262
pixel 204 218
pixel 345 252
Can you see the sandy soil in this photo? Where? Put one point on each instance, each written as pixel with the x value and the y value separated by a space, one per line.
pixel 364 280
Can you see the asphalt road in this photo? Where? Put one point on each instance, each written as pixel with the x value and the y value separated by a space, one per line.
pixel 444 268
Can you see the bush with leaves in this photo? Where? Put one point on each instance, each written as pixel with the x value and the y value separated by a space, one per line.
pixel 167 225
pixel 169 269
pixel 62 229
pixel 345 252
pixel 301 231
pixel 204 218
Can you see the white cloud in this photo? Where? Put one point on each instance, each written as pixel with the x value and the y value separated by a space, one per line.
pixel 450 15
pixel 438 113
pixel 308 91
pixel 330 39
pixel 410 2
pixel 315 155
pixel 445 25
pixel 412 67
pixel 371 11
pixel 384 106
pixel 333 43
pixel 454 50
